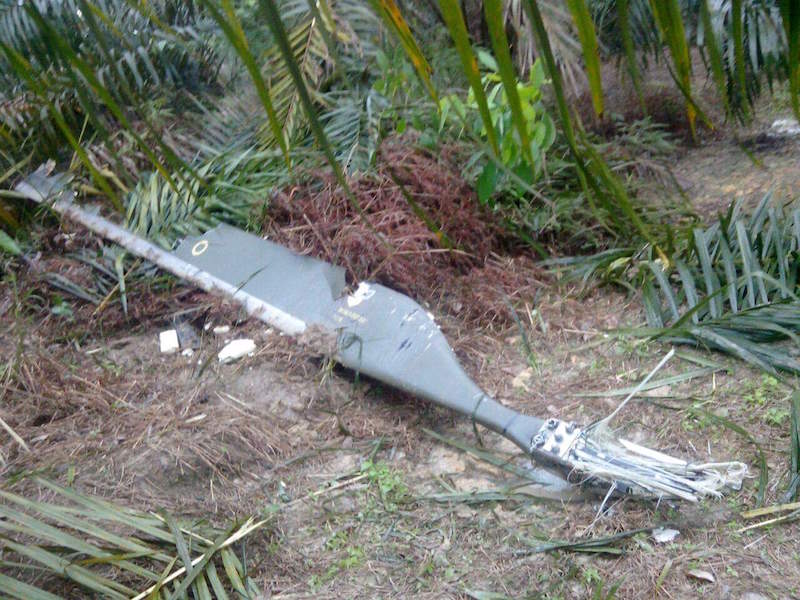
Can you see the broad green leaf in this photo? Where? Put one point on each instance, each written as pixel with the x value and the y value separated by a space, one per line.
pixel 487 182
pixel 8 244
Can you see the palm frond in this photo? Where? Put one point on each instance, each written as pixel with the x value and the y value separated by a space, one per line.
pixel 115 552
pixel 733 287
pixel 230 187
pixel 47 48
pixel 565 45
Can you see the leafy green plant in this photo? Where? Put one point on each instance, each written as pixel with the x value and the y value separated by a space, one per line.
pixel 515 169
pixel 391 488
pixel 776 417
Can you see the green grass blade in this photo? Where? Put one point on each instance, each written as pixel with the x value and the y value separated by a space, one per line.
pixel 790 15
pixel 623 18
pixel 493 10
pixel 667 14
pixel 454 19
pixel 584 24
pixel 737 33
pixel 713 48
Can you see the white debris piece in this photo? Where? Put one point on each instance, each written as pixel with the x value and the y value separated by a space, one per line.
pixel 701 575
pixel 785 127
pixel 168 341
pixel 187 352
pixel 221 329
pixel 663 536
pixel 363 292
pixel 236 349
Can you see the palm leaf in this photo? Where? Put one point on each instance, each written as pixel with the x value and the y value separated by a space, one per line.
pixel 495 22
pixel 454 18
pixel 393 18
pixel 593 172
pixel 623 16
pixel 668 18
pixel 588 39
pixel 790 14
pixel 733 287
pixel 96 545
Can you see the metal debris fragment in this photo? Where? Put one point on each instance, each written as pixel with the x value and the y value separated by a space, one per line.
pixel 387 335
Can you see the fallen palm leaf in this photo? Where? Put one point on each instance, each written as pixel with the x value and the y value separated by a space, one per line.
pixel 600 545
pixel 98 545
pixel 731 287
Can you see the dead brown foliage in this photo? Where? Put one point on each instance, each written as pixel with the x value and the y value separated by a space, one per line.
pixel 386 240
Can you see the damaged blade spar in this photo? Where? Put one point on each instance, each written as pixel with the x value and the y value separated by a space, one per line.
pixel 388 336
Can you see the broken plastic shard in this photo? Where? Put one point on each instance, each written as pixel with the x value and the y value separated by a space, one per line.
pixel 785 127
pixel 236 349
pixel 662 535
pixel 168 341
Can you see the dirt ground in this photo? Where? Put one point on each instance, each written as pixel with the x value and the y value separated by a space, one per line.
pixel 377 495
